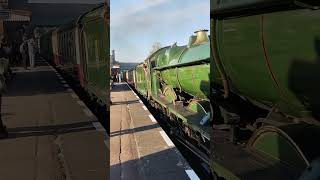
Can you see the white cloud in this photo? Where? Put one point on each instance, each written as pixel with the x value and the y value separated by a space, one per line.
pixel 134 29
pixel 134 22
pixel 128 11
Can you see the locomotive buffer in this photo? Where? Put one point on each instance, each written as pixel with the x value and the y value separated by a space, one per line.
pixel 140 149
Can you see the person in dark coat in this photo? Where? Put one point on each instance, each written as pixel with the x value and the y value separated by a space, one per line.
pixel 24 53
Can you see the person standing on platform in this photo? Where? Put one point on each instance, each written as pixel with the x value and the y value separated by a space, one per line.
pixel 24 52
pixel 119 77
pixel 3 129
pixel 5 55
pixel 31 49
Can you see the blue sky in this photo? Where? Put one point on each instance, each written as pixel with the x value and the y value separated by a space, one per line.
pixel 137 24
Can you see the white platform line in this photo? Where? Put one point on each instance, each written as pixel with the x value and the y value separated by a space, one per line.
pixel 145 108
pixel 81 103
pixel 98 126
pixel 166 139
pixel 152 118
pixel 74 96
pixel 192 175
pixel 137 97
pixel 140 102
pixel 131 88
pixel 88 112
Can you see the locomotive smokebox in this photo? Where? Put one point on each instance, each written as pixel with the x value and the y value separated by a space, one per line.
pixel 202 37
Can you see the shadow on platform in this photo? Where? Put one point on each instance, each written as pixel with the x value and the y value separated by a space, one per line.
pixel 166 164
pixel 134 130
pixel 120 87
pixel 125 102
pixel 34 82
pixel 50 130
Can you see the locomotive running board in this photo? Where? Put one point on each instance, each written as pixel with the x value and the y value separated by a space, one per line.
pixel 188 117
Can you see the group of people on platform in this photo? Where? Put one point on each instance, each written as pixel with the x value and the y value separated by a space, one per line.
pixel 14 54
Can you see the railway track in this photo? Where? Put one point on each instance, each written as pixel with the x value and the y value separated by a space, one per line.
pixel 197 159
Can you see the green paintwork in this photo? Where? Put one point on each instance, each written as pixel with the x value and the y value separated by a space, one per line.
pixel 96 61
pixel 279 148
pixel 169 94
pixel 141 80
pixel 272 59
pixel 178 68
pixel 185 68
pixel 261 67
pixel 197 107
pixel 223 172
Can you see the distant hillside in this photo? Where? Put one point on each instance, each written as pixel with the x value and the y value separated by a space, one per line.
pixel 50 13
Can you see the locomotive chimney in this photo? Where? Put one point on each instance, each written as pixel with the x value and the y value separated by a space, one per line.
pixel 202 37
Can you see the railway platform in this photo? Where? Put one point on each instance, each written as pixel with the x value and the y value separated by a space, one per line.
pixel 52 134
pixel 140 149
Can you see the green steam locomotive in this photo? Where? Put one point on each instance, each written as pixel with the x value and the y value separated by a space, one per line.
pixel 264 91
pixel 175 80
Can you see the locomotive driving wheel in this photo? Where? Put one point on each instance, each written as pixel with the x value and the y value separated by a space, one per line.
pixel 292 145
